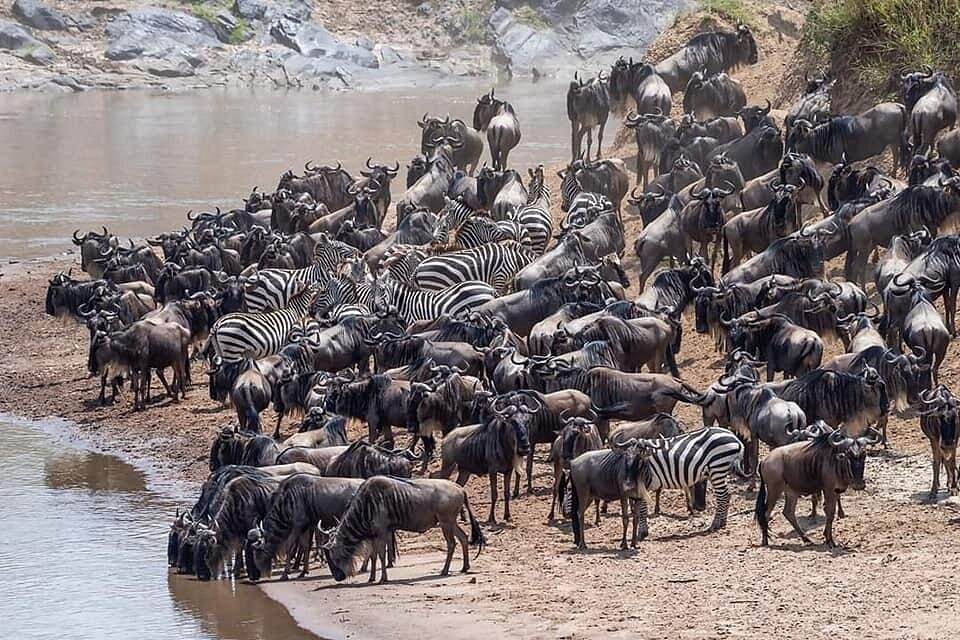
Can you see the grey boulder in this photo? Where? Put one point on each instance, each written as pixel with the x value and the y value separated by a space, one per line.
pixel 313 41
pixel 270 10
pixel 158 33
pixel 39 16
pixel 522 48
pixel 19 40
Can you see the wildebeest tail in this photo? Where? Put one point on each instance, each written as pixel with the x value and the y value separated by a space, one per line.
pixel 726 253
pixel 685 394
pixel 476 533
pixel 575 513
pixel 563 496
pixel 251 418
pixel 760 509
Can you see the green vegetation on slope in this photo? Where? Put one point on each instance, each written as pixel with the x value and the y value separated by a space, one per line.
pixel 876 37
pixel 733 10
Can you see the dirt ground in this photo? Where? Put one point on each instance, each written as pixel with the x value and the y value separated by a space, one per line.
pixel 894 576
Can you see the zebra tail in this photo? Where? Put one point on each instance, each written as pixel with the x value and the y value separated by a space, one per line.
pixel 760 509
pixel 476 533
pixel 575 513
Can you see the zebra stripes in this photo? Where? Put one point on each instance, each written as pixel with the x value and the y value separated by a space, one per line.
pixel 534 217
pixel 687 459
pixel 415 305
pixel 464 228
pixel 271 289
pixel 237 336
pixel 495 263
pixel 576 202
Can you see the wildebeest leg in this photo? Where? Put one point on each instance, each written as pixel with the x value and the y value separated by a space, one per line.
pixel 722 495
pixel 516 483
pixel 937 460
pixel 589 141
pixel 506 494
pixel 603 123
pixel 383 558
pixel 641 177
pixel 492 518
pixel 625 520
pixel 447 529
pixel 656 504
pixel 557 472
pixel 596 505
pixel 754 447
pixel 276 430
pixel 464 546
pixel 840 513
pixel 574 139
pixel 305 541
pixel 814 501
pixel 950 462
pixel 830 501
pixel 373 559
pixel 790 513
pixel 529 471
pixel 950 309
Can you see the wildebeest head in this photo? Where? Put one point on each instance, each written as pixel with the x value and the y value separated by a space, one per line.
pixel 746 45
pixel 754 116
pixel 575 436
pixel 913 85
pixel 178 530
pixel 256 558
pixel 487 107
pixel 207 555
pixel 939 411
pixel 850 455
pixel 711 216
pixel 723 171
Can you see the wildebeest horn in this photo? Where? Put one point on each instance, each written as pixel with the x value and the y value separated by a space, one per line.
pixel 767 110
pixel 874 437
pixel 77 241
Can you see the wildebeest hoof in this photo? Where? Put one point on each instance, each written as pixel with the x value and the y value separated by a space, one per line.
pixel 284 577
pixel 444 573
pixel 623 545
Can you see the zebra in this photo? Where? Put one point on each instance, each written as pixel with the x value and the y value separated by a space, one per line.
pixel 414 305
pixel 462 227
pixel 576 202
pixel 495 263
pixel 271 289
pixel 682 461
pixel 401 260
pixel 534 217
pixel 338 300
pixel 237 336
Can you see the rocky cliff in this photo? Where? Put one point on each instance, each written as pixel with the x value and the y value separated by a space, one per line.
pixel 88 44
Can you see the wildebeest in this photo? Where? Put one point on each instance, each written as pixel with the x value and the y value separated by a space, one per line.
pixel 495 446
pixel 300 504
pixel 932 105
pixel 755 153
pixel 715 51
pixel 636 80
pixel 652 132
pixel 143 347
pixel 325 184
pixel 588 106
pixel 499 120
pixel 467 156
pixel 938 421
pixel 377 399
pixel 364 460
pixel 857 137
pixel 384 505
pixel 830 463
pixel 754 231
pixel 799 255
pixel 814 105
pixel 708 96
pixel 233 447
pixel 577 436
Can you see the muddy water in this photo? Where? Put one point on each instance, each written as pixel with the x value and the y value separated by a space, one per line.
pixel 138 161
pixel 83 555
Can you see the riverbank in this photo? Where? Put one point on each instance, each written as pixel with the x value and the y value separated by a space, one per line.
pixel 893 578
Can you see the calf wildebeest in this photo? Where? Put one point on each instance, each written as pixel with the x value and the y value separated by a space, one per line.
pixel 578 435
pixel 715 51
pixel 499 120
pixel 938 421
pixel 652 132
pixel 588 106
pixel 912 209
pixel 814 105
pixel 384 505
pixel 300 504
pixel 493 447
pixel 932 104
pixel 708 96
pixel 830 463
pixel 231 447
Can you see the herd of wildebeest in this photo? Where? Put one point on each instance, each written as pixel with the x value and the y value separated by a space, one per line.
pixel 479 322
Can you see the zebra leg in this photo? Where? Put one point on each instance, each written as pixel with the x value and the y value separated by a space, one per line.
pixel 641 528
pixel 790 513
pixel 722 496
pixel 625 520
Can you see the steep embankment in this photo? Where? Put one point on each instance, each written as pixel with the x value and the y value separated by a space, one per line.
pixel 84 44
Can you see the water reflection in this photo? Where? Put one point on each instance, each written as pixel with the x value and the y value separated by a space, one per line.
pixel 83 555
pixel 138 161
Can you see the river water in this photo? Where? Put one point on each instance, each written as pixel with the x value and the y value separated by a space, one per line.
pixel 138 161
pixel 83 552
